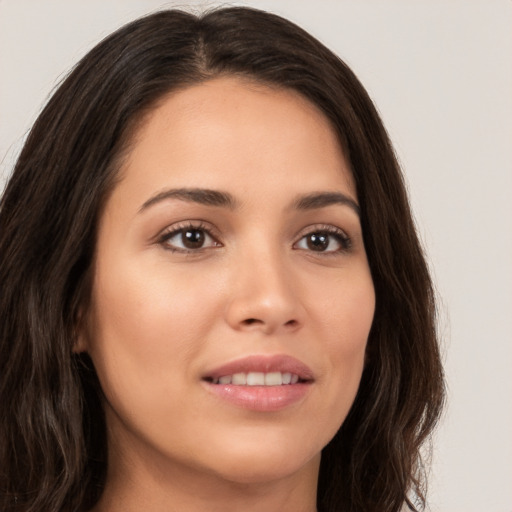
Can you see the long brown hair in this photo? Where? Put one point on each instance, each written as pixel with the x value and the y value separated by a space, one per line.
pixel 53 451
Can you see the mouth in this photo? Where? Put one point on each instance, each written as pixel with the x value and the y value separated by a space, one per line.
pixel 258 379
pixel 261 383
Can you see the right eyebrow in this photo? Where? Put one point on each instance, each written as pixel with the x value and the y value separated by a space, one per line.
pixel 323 199
pixel 195 195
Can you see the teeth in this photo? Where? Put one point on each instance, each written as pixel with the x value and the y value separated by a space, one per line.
pixel 258 379
pixel 255 379
pixel 239 379
pixel 273 379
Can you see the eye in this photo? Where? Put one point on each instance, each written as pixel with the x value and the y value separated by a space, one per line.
pixel 188 238
pixel 327 240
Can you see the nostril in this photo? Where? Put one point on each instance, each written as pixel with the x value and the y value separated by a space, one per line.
pixel 267 326
pixel 251 321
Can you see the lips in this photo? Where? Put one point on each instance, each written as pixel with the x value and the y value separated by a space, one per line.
pixel 261 383
pixel 263 364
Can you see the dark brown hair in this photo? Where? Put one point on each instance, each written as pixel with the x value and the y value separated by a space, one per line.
pixel 52 431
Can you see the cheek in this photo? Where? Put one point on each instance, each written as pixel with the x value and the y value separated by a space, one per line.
pixel 345 309
pixel 354 323
pixel 146 328
pixel 345 316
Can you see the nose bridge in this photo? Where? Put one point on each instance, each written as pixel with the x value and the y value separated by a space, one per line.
pixel 263 293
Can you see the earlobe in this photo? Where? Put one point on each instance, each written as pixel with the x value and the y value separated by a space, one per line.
pixel 79 343
pixel 80 334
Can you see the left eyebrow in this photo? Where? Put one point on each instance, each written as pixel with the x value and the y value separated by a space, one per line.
pixel 204 196
pixel 323 199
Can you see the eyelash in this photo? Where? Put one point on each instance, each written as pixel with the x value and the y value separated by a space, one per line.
pixel 338 234
pixel 171 232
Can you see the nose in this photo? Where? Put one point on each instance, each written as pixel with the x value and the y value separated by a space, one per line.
pixel 264 295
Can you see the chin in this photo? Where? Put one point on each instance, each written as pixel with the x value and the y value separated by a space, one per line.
pixel 269 470
pixel 265 461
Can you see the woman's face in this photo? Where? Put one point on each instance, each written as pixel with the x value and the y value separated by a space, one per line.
pixel 232 298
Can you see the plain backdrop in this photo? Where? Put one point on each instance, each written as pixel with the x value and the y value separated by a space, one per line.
pixel 440 73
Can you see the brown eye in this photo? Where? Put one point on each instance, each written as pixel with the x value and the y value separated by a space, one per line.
pixel 188 239
pixel 334 241
pixel 192 238
pixel 318 241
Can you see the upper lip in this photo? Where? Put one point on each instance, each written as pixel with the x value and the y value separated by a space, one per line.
pixel 264 364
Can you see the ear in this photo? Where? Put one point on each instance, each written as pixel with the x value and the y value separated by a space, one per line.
pixel 80 334
pixel 79 344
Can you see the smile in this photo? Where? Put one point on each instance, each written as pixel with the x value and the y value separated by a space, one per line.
pixel 261 383
pixel 258 379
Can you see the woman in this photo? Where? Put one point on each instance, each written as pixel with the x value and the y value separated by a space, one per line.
pixel 213 295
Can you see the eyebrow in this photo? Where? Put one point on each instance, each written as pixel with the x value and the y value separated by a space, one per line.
pixel 323 199
pixel 210 197
pixel 194 195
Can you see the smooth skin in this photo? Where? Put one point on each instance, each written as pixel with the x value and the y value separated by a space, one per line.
pixel 185 282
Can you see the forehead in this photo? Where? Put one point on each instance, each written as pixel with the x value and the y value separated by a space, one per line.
pixel 229 129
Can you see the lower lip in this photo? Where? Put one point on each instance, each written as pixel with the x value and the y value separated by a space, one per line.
pixel 260 398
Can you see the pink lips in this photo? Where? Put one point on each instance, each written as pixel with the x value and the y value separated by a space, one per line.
pixel 263 398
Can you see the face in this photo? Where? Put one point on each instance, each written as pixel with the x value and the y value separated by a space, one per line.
pixel 232 298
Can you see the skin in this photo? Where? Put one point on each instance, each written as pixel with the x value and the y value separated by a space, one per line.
pixel 162 317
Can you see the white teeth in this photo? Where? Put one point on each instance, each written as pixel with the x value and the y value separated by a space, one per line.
pixel 239 379
pixel 258 379
pixel 255 379
pixel 273 379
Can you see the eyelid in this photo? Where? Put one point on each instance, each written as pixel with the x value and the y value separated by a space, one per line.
pixel 174 229
pixel 344 239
